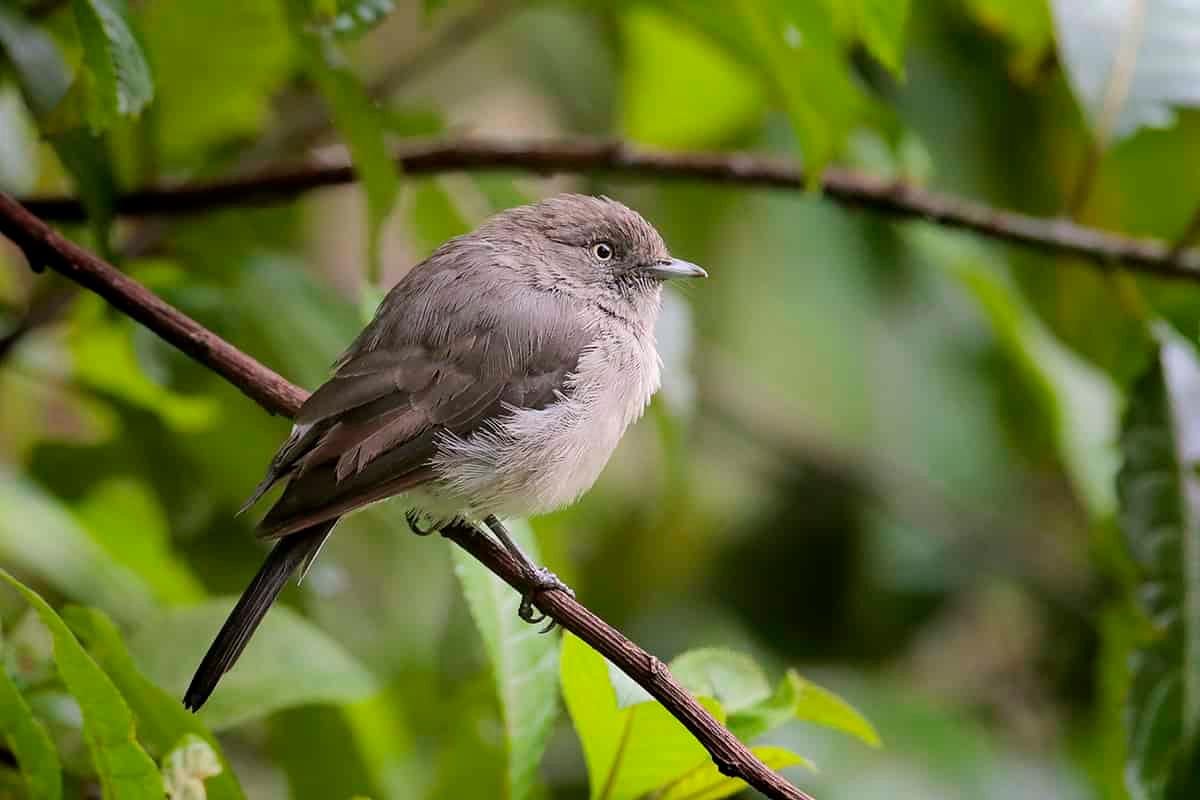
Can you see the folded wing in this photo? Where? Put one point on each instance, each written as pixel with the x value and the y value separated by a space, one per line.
pixel 450 349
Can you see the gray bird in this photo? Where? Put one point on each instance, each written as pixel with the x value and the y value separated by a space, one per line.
pixel 495 380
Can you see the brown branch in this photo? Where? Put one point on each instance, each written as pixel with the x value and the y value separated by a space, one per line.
pixel 45 247
pixel 851 188
pixel 47 310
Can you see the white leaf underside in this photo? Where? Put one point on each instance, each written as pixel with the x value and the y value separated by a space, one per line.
pixel 1130 63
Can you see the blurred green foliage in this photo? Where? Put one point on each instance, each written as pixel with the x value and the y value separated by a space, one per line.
pixel 951 480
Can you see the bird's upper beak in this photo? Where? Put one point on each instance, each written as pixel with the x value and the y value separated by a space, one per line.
pixel 669 268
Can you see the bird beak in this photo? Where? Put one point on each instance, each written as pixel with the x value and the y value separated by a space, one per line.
pixel 669 268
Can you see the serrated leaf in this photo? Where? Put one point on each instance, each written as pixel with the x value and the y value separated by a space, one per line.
pixel 39 536
pixel 123 768
pixel 800 52
pixel 629 751
pixel 118 77
pixel 880 24
pixel 796 698
pixel 524 664
pixel 705 781
pixel 29 743
pixel 734 679
pixel 1160 518
pixel 162 721
pixel 289 662
pixel 1130 63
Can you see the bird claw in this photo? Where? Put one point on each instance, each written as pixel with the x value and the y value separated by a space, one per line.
pixel 413 518
pixel 542 580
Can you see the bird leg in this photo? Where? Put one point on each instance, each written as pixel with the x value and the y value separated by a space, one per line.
pixel 540 579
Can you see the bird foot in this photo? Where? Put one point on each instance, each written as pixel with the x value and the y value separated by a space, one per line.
pixel 541 580
pixel 413 518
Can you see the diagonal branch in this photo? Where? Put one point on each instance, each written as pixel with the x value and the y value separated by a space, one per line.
pixel 44 247
pixel 848 187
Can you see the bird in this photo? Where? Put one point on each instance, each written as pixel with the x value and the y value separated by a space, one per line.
pixel 494 380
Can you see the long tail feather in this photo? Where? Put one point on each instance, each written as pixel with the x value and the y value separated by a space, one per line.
pixel 285 558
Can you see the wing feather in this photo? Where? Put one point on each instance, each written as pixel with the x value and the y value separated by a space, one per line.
pixel 451 348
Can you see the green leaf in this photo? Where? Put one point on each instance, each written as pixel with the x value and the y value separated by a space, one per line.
pixel 801 699
pixel 289 662
pixel 800 51
pixel 420 121
pixel 1024 23
pixel 40 537
pixel 880 25
pixel 435 216
pixel 822 707
pixel 118 77
pixel 1079 400
pixel 705 781
pixel 679 87
pixel 362 124
pixel 211 95
pixel 123 768
pixel 524 663
pixel 734 679
pixel 124 518
pixel 40 68
pixel 105 359
pixel 297 733
pixel 627 691
pixel 162 721
pixel 28 741
pixel 1159 495
pixel 45 82
pixel 629 751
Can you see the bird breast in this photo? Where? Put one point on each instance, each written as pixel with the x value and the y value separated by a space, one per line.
pixel 533 461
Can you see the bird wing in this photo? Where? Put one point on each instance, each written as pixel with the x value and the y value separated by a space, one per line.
pixel 450 349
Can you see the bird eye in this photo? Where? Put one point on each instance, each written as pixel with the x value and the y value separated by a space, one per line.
pixel 603 251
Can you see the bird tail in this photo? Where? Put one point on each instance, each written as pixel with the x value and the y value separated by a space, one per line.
pixel 290 553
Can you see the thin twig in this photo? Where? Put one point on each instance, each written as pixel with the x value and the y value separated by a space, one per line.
pixel 44 246
pixel 851 188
